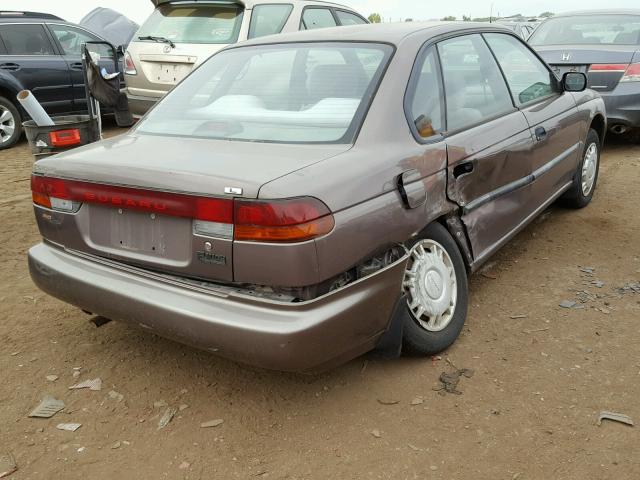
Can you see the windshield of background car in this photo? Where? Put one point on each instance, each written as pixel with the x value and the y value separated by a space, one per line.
pixel 588 30
pixel 286 93
pixel 194 23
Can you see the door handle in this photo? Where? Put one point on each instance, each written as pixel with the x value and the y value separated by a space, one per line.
pixel 541 134
pixel 10 66
pixel 464 168
pixel 76 66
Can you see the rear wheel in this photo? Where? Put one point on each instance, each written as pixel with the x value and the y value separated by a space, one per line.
pixel 435 287
pixel 10 124
pixel 586 176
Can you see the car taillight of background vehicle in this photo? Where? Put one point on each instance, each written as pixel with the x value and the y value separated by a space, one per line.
pixel 129 66
pixel 281 221
pixel 631 72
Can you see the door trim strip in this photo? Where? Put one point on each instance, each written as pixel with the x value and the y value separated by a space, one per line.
pixel 517 184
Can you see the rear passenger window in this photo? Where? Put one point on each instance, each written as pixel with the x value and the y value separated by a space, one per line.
pixel 527 77
pixel 268 19
pixel 26 40
pixel 313 18
pixel 426 100
pixel 346 18
pixel 474 86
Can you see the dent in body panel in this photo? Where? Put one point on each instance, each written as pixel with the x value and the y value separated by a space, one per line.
pixel 373 226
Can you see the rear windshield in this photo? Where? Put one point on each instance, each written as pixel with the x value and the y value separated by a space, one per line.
pixel 588 30
pixel 287 93
pixel 191 23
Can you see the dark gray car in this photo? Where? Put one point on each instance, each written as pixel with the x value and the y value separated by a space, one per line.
pixel 604 44
pixel 302 199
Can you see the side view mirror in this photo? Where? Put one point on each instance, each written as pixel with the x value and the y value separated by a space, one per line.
pixel 574 82
pixel 120 50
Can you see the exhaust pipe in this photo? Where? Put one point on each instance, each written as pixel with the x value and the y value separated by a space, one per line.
pixel 619 129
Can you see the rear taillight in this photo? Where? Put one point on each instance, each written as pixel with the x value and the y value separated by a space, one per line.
pixel 631 72
pixel 65 138
pixel 286 221
pixel 293 220
pixel 129 66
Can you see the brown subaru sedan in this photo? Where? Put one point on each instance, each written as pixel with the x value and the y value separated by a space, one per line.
pixel 302 199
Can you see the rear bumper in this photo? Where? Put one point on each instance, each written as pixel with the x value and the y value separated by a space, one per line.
pixel 306 336
pixel 623 105
pixel 139 104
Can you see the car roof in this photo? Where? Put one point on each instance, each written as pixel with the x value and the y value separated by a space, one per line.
pixel 393 33
pixel 610 11
pixel 16 16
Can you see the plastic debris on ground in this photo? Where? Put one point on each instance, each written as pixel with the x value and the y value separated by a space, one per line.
pixel 167 417
pixel 615 417
pixel 47 408
pixel 69 427
pixel 212 423
pixel 116 396
pixel 52 378
pixel 95 385
pixel 8 465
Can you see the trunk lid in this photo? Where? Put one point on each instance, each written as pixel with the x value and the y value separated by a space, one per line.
pixel 580 58
pixel 153 164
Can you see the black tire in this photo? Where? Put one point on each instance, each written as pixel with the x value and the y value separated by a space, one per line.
pixel 575 197
pixel 8 141
pixel 417 340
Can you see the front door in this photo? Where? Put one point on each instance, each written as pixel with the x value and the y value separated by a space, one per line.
pixel 70 41
pixel 550 113
pixel 32 59
pixel 489 145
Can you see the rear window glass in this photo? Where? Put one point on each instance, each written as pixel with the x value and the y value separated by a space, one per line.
pixel 588 30
pixel 25 40
pixel 187 23
pixel 268 19
pixel 287 93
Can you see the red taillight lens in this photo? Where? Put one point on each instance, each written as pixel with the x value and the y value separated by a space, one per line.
pixel 632 74
pixel 294 220
pixel 608 67
pixel 129 66
pixel 172 204
pixel 65 138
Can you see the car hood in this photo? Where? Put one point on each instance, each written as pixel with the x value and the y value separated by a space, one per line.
pixel 586 54
pixel 178 164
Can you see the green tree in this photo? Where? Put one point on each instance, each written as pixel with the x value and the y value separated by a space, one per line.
pixel 547 14
pixel 375 18
pixel 450 18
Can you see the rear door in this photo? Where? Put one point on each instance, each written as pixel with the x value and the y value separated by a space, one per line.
pixel 34 61
pixel 70 41
pixel 488 145
pixel 551 113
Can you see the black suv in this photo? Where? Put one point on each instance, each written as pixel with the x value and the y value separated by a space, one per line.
pixel 41 53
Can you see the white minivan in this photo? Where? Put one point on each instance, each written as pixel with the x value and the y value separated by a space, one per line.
pixel 181 34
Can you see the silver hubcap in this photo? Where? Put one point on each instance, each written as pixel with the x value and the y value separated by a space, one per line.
pixel 430 285
pixel 7 124
pixel 589 169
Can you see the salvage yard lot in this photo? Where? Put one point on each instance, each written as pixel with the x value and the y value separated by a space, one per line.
pixel 542 373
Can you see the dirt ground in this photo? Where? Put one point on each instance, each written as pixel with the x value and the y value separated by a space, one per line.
pixel 529 412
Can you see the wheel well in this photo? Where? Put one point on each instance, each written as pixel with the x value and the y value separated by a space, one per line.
pixel 598 124
pixel 453 223
pixel 9 95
